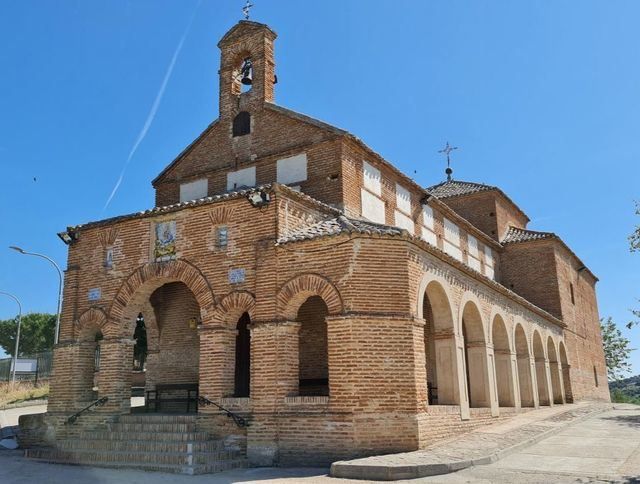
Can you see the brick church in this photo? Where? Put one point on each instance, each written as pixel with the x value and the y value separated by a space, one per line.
pixel 293 298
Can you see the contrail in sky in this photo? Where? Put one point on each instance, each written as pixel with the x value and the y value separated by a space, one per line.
pixel 154 107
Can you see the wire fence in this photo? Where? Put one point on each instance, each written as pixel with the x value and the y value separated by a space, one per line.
pixel 42 370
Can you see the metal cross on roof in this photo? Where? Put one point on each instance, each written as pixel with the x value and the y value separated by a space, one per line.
pixel 246 8
pixel 447 151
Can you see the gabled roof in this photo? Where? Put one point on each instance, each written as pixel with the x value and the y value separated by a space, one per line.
pixel 337 226
pixel 515 235
pixel 455 188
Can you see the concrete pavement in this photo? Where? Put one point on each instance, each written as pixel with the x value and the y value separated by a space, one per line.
pixel 601 448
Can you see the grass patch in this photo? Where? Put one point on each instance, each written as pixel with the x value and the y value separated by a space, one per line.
pixel 11 393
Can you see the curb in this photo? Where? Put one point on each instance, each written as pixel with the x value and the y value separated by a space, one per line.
pixel 391 473
pixel 28 403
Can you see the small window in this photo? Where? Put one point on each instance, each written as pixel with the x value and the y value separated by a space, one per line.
pixel 242 124
pixel 108 258
pixel 222 237
pixel 573 299
pixel 595 375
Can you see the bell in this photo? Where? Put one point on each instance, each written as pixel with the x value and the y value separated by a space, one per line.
pixel 247 72
pixel 246 78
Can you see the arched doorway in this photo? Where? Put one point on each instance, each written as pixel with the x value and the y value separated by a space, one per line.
pixel 439 347
pixel 243 357
pixel 475 354
pixel 554 369
pixel 504 373
pixel 524 368
pixel 313 351
pixel 541 370
pixel 566 374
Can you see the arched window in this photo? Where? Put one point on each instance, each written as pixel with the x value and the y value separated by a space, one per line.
pixel 242 124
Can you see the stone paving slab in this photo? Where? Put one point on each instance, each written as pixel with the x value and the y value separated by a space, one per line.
pixel 480 447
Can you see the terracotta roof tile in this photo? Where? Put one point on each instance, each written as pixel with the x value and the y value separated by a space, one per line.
pixel 515 235
pixel 454 188
pixel 339 225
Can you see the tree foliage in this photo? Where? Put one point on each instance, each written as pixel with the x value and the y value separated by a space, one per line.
pixel 616 349
pixel 36 333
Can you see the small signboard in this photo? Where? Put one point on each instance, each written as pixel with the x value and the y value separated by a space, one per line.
pixel 95 294
pixel 236 276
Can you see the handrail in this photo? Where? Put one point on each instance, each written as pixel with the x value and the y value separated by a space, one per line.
pixel 98 403
pixel 239 421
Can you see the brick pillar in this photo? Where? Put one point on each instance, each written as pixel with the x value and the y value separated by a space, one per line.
pixel 513 362
pixel 547 371
pixel 114 380
pixel 491 380
pixel 274 375
pixel 461 367
pixel 62 395
pixel 556 380
pixel 217 361
pixel 481 389
pixel 506 378
pixel 566 383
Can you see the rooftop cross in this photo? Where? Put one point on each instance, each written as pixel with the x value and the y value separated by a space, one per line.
pixel 447 151
pixel 246 9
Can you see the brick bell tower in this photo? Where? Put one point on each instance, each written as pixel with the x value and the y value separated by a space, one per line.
pixel 246 44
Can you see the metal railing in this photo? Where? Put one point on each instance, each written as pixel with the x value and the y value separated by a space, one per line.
pixel 239 421
pixel 98 403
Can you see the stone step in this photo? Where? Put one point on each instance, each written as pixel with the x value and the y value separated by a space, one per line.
pixel 142 446
pixel 156 418
pixel 134 428
pixel 175 469
pixel 153 436
pixel 111 457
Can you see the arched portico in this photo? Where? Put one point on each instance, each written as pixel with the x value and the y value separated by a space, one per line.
pixel 542 371
pixel 555 372
pixel 566 373
pixel 526 368
pixel 442 367
pixel 479 365
pixel 506 377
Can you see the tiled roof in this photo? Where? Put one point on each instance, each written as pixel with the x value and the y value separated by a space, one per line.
pixel 339 225
pixel 454 188
pixel 515 235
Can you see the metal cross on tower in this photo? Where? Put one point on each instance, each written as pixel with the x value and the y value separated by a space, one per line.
pixel 246 9
pixel 447 151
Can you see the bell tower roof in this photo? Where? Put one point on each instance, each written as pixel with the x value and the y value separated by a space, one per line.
pixel 245 27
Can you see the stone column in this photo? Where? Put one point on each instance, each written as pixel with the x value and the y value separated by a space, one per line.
pixel 547 371
pixel 534 381
pixel 526 387
pixel 274 375
pixel 114 380
pixel 461 370
pixel 556 378
pixel 480 383
pixel 515 384
pixel 217 361
pixel 448 391
pixel 492 381
pixel 507 378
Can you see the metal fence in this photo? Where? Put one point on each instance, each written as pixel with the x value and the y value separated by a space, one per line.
pixel 42 370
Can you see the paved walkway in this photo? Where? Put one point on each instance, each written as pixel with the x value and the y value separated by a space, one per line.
pixel 480 447
pixel 601 448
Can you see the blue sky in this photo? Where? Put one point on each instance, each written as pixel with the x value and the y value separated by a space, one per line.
pixel 541 97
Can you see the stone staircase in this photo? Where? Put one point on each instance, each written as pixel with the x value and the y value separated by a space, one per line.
pixel 166 443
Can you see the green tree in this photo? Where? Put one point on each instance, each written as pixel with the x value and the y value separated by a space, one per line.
pixel 36 333
pixel 616 349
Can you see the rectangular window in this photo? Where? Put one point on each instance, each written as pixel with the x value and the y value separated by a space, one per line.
pixel 241 179
pixel 472 242
pixel 573 298
pixel 451 243
pixel 371 178
pixel 427 216
pixel 372 207
pixel 108 258
pixel 292 169
pixel 403 199
pixel 404 222
pixel 194 190
pixel 429 236
pixel 222 237
pixel 489 270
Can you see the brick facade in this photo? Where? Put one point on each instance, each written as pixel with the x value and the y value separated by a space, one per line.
pixel 364 338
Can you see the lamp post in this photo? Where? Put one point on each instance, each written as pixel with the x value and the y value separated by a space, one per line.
pixel 22 251
pixel 15 353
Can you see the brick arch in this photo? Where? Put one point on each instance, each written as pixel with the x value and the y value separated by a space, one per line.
pixel 89 323
pixel 232 307
pixel 156 274
pixel 300 288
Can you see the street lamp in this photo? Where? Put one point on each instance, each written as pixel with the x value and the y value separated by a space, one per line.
pixel 15 354
pixel 22 251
